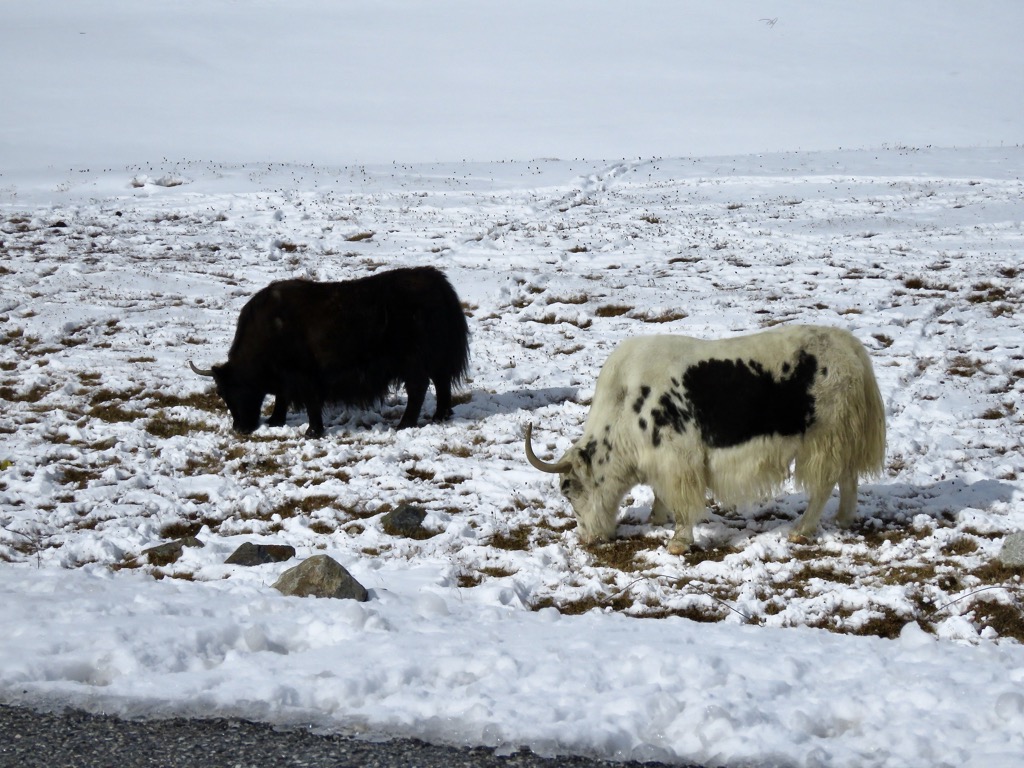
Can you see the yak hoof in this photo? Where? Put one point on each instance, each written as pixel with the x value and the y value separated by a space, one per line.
pixel 677 547
pixel 798 538
pixel 312 432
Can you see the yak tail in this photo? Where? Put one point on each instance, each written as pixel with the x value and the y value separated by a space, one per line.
pixel 454 331
pixel 852 437
pixel 869 454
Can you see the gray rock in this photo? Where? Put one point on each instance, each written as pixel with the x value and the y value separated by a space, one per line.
pixel 165 554
pixel 1012 553
pixel 260 554
pixel 406 521
pixel 321 576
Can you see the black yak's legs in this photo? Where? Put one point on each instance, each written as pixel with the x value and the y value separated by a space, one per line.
pixel 416 390
pixel 443 392
pixel 314 412
pixel 280 414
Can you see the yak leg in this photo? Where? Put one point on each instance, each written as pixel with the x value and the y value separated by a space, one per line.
pixel 807 525
pixel 660 514
pixel 443 392
pixel 847 499
pixel 314 412
pixel 682 539
pixel 416 391
pixel 686 502
pixel 280 414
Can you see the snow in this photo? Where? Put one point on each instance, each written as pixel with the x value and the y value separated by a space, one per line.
pixel 583 174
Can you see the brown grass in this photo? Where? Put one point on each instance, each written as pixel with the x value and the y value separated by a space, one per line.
pixel 612 310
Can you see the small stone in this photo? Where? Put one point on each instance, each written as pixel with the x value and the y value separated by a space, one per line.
pixel 1012 553
pixel 165 554
pixel 321 576
pixel 260 554
pixel 406 521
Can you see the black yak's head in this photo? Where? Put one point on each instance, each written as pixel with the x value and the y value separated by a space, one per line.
pixel 243 400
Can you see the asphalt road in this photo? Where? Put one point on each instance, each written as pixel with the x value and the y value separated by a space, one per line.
pixel 74 739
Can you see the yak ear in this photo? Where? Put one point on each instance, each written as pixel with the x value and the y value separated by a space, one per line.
pixel 586 468
pixel 580 466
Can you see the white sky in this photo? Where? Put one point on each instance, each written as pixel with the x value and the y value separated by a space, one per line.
pixel 117 81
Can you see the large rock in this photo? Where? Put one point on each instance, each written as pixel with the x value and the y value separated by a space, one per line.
pixel 165 554
pixel 1012 553
pixel 321 576
pixel 260 554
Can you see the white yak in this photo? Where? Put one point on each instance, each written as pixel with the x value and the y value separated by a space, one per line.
pixel 731 416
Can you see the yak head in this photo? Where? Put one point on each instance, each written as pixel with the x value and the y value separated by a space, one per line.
pixel 242 399
pixel 594 503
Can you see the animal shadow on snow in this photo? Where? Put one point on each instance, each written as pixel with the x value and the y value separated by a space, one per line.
pixel 942 500
pixel 880 507
pixel 472 405
pixel 483 403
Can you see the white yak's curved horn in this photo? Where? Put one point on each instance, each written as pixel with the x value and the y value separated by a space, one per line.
pixel 543 466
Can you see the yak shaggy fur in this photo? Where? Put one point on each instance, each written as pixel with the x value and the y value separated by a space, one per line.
pixel 730 417
pixel 309 343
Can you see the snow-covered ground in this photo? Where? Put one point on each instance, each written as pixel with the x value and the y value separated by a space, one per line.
pixel 157 166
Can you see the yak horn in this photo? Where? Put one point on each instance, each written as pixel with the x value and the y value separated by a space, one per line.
pixel 543 466
pixel 200 371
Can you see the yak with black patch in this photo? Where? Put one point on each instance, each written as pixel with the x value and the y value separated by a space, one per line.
pixel 310 343
pixel 733 417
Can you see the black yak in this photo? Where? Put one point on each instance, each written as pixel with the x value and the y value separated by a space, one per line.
pixel 309 343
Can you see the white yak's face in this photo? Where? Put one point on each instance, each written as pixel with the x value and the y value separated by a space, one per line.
pixel 591 481
pixel 585 489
